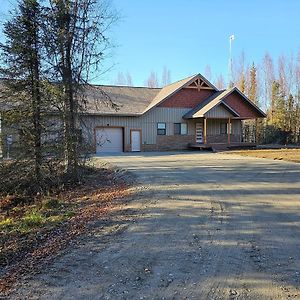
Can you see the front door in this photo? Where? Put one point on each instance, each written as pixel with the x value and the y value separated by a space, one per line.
pixel 199 133
pixel 135 140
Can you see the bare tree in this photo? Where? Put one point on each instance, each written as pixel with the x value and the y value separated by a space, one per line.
pixel 125 80
pixel 268 77
pixel 239 73
pixel 121 80
pixel 207 72
pixel 129 81
pixel 152 81
pixel 220 83
pixel 166 76
pixel 76 42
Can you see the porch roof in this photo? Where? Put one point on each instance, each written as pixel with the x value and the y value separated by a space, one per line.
pixel 211 102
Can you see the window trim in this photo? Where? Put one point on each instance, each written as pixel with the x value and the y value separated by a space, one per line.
pixel 180 129
pixel 161 131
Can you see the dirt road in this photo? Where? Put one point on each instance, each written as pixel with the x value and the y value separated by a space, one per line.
pixel 204 226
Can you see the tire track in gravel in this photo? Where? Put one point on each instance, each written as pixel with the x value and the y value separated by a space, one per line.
pixel 260 260
pixel 194 237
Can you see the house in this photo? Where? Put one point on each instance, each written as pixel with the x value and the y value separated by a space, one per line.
pixel 191 112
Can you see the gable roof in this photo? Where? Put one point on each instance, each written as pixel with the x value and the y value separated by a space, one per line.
pixel 217 99
pixel 135 101
pixel 131 101
pixel 209 103
pixel 173 88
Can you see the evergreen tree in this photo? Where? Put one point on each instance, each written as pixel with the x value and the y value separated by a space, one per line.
pixel 21 74
pixel 290 113
pixel 253 96
pixel 277 117
pixel 253 85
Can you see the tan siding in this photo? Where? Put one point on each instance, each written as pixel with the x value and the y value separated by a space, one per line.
pixel 236 127
pixel 218 112
pixel 214 127
pixel 191 127
pixel 147 122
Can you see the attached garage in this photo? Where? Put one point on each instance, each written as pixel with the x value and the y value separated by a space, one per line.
pixel 109 139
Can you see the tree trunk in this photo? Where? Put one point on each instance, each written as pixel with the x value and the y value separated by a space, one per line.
pixel 71 153
pixel 37 123
pixel 36 103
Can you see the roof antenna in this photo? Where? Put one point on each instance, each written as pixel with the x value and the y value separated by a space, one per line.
pixel 230 75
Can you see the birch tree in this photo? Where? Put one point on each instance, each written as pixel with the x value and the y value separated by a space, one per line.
pixel 220 83
pixel 166 76
pixel 125 80
pixel 76 41
pixel 152 81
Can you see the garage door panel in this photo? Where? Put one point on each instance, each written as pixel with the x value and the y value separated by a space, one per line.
pixel 109 140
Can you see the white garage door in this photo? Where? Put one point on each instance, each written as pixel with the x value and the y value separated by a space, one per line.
pixel 109 140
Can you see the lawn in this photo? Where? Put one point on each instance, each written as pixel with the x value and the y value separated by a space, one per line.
pixel 276 154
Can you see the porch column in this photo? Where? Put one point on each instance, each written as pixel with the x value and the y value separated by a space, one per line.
pixel 228 130
pixel 205 130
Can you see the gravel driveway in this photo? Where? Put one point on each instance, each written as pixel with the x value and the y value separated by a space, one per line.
pixel 202 226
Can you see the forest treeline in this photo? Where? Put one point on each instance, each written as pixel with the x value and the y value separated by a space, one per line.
pixel 273 84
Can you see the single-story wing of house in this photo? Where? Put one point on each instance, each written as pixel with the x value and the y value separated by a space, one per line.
pixel 191 112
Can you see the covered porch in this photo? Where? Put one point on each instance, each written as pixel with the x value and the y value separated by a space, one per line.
pixel 218 125
pixel 218 133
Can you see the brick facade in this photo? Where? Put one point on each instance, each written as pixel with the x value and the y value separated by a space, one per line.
pixel 170 142
pixel 174 142
pixel 187 98
pixel 242 107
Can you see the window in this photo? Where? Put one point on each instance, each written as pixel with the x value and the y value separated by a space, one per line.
pixel 161 128
pixel 177 128
pixel 184 128
pixel 223 128
pixel 180 128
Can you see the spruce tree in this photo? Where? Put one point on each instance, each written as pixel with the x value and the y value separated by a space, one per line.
pixel 21 75
pixel 253 85
pixel 278 112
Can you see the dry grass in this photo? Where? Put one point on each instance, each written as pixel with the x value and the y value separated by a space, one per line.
pixel 276 154
pixel 31 233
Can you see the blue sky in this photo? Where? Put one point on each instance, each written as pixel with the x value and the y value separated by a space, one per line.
pixel 186 36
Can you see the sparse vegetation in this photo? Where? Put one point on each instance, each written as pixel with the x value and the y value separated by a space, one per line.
pixel 276 154
pixel 32 228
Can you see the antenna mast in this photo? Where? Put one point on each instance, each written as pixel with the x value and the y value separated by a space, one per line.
pixel 231 39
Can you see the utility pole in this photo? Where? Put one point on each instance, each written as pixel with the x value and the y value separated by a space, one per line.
pixel 230 79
